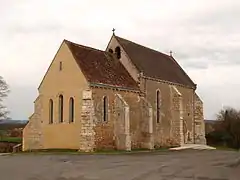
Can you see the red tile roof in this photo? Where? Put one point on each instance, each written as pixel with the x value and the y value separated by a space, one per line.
pixel 100 67
pixel 155 64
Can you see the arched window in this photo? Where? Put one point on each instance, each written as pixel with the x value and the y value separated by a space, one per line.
pixel 60 66
pixel 118 52
pixel 71 110
pixel 105 109
pixel 158 104
pixel 110 50
pixel 61 108
pixel 50 111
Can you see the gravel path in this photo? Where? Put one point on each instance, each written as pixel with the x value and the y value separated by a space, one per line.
pixel 181 165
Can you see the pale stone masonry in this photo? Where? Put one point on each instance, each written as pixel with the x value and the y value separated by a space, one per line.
pixel 177 125
pixel 32 133
pixel 198 119
pixel 87 133
pixel 126 97
pixel 146 124
pixel 122 124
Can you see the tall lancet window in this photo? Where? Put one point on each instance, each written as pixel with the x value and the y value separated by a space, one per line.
pixel 50 111
pixel 71 110
pixel 158 106
pixel 61 108
pixel 105 109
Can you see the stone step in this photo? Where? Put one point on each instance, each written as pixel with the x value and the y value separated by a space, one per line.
pixel 194 146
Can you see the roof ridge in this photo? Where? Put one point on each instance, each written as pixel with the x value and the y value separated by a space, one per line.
pixel 143 46
pixel 86 47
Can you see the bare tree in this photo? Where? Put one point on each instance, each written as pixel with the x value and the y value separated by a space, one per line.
pixel 4 90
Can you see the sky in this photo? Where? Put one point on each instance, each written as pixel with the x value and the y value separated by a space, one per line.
pixel 203 35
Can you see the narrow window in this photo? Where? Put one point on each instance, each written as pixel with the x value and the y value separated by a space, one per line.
pixel 71 110
pixel 50 111
pixel 158 116
pixel 60 66
pixel 61 108
pixel 118 52
pixel 105 109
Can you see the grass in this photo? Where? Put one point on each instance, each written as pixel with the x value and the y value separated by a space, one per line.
pixel 11 139
pixel 223 148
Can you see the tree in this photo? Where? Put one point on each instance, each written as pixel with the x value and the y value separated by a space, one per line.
pixel 4 90
pixel 229 126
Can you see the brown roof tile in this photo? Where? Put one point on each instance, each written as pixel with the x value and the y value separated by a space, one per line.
pixel 100 67
pixel 155 64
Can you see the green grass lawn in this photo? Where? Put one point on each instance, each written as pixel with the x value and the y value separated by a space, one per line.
pixel 225 148
pixel 11 139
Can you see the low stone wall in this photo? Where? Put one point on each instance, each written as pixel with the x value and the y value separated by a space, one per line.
pixel 7 147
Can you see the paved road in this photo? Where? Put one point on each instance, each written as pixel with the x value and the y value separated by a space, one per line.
pixel 184 165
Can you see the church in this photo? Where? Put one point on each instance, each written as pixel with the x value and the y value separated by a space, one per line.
pixel 125 97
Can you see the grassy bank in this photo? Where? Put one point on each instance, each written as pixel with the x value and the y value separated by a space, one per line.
pixel 11 139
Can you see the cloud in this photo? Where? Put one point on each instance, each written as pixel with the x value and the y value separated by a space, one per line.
pixel 203 35
pixel 20 101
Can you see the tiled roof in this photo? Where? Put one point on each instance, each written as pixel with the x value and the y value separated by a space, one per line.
pixel 101 67
pixel 155 64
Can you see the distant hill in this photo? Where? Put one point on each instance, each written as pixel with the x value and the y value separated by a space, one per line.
pixel 11 124
pixel 210 121
pixel 13 121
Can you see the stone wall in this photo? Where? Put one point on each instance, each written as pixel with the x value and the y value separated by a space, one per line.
pixel 135 122
pixel 146 124
pixel 87 133
pixel 104 131
pixel 121 106
pixel 110 132
pixel 121 123
pixel 177 125
pixel 32 133
pixel 163 130
pixel 7 147
pixel 199 121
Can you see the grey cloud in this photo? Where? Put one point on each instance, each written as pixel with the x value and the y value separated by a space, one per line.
pixel 204 38
pixel 20 101
pixel 215 97
pixel 197 52
pixel 222 19
pixel 194 65
pixel 214 56
pixel 38 28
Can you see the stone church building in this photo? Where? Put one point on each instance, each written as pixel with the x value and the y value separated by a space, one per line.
pixel 125 97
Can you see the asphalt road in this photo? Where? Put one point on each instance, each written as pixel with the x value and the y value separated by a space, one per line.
pixel 181 165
